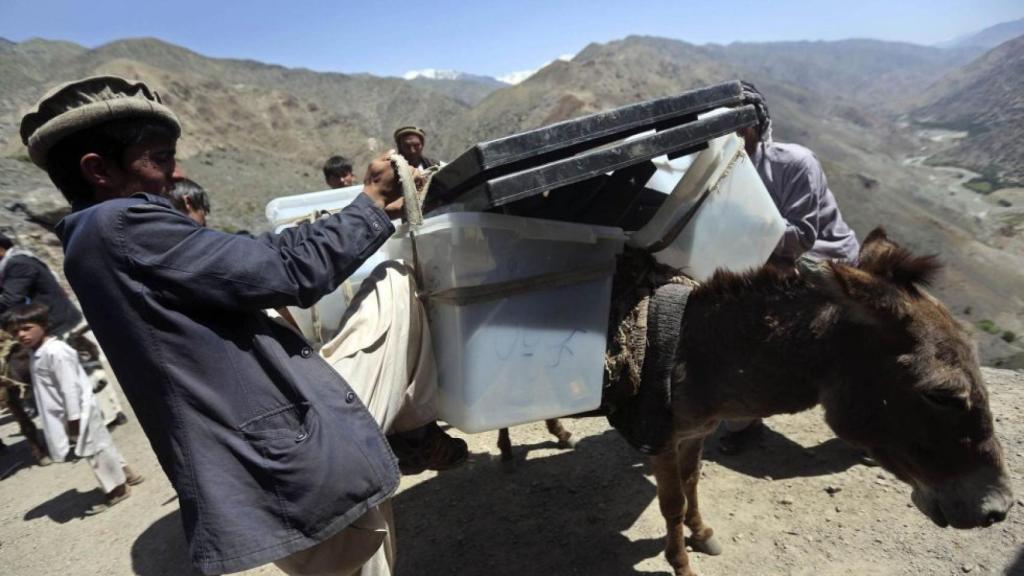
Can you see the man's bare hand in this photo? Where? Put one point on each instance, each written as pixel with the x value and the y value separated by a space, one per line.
pixel 381 182
pixel 396 209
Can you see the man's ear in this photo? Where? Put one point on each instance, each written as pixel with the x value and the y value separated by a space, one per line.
pixel 97 171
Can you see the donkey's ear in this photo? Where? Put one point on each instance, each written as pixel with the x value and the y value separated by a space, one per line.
pixel 866 298
pixel 875 245
pixel 890 261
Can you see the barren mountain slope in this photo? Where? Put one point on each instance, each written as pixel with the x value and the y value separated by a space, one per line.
pixel 872 73
pixel 985 99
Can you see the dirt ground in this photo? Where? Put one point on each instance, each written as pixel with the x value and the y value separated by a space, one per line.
pixel 802 504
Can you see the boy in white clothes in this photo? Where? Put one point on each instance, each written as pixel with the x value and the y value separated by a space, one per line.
pixel 66 405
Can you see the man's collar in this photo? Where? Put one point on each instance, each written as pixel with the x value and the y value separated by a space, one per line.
pixel 154 199
pixel 151 198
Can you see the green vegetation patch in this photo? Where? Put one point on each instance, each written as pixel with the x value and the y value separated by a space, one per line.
pixel 988 326
pixel 1008 336
pixel 980 185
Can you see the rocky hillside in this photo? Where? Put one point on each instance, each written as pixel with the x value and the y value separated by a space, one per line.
pixel 986 100
pixel 870 73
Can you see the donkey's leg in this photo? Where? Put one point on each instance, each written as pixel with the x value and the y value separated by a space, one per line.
pixel 702 537
pixel 564 436
pixel 672 502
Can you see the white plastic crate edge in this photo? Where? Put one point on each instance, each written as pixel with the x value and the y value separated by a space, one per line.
pixel 533 228
pixel 282 213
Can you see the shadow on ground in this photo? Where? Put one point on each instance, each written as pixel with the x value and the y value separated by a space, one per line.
pixel 66 507
pixel 781 458
pixel 480 519
pixel 14 457
pixel 1017 568
pixel 161 549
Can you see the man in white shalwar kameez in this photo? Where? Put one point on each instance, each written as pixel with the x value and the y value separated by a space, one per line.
pixel 65 401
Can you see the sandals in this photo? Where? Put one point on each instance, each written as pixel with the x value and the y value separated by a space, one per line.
pixel 133 478
pixel 110 503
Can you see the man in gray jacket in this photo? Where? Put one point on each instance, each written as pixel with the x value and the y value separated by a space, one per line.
pixel 815 229
pixel 272 454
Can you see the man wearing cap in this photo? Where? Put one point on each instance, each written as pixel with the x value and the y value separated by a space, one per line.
pixel 410 141
pixel 272 454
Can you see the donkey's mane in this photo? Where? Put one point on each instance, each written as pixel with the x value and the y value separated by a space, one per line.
pixel 767 279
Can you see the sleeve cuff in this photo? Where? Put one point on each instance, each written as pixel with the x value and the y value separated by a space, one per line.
pixel 378 219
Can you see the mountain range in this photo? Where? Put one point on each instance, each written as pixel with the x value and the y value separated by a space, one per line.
pixel 989 37
pixel 254 131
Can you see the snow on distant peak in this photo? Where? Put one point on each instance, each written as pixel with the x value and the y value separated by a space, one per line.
pixel 517 77
pixel 433 74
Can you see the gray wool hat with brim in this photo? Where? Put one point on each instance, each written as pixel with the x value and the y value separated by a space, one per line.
pixel 410 130
pixel 75 106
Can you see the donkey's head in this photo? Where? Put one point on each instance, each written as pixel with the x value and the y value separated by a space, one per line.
pixel 909 389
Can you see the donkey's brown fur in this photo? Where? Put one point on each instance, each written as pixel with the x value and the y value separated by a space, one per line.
pixel 893 370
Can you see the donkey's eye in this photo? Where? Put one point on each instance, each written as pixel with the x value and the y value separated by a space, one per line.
pixel 945 400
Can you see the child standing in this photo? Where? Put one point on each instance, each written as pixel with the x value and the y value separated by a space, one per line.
pixel 65 402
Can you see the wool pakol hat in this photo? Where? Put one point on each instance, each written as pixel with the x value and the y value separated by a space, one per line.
pixel 82 104
pixel 410 130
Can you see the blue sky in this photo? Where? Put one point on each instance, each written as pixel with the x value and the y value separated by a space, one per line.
pixel 494 38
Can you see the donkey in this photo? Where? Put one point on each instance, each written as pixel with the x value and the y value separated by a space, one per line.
pixel 895 373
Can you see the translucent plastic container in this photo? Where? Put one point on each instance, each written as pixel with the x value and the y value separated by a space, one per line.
pixel 287 209
pixel 322 321
pixel 527 356
pixel 736 226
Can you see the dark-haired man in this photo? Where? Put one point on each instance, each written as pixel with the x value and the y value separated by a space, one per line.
pixel 410 141
pixel 191 199
pixel 273 455
pixel 338 172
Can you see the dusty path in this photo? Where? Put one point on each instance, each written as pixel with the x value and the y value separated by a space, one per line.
pixel 589 512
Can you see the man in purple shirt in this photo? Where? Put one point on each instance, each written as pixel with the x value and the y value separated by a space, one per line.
pixel 815 230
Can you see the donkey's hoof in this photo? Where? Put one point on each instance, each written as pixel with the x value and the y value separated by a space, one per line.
pixel 567 443
pixel 711 547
